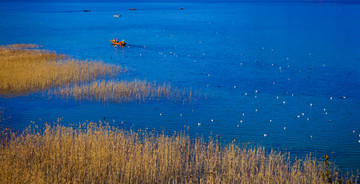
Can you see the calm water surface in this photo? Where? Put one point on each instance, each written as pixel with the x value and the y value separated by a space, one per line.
pixel 272 73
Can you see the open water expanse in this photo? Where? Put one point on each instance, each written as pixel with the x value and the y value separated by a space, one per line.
pixel 282 75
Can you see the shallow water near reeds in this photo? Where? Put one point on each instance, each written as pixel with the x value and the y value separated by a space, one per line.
pixel 271 74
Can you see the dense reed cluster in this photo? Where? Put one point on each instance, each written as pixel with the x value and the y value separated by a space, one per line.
pixel 95 153
pixel 124 91
pixel 24 69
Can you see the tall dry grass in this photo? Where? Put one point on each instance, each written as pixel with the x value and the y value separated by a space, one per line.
pixel 100 154
pixel 124 91
pixel 24 69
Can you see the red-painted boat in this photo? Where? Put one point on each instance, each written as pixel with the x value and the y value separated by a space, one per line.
pixel 121 43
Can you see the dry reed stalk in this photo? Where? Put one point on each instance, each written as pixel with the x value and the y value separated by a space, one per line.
pixel 24 70
pixel 95 153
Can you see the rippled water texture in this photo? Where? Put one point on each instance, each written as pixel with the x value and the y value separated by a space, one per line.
pixel 273 74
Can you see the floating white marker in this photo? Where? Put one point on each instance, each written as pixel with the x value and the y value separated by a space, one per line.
pixel 273 82
pixel 212 120
pixel 245 94
pixel 140 54
pixel 326 113
pixel 298 116
pixel 284 102
pixel 255 96
pixel 284 128
pixel 311 104
pixel 256 110
pixel 234 87
pixel 329 120
pixel 265 135
pixel 181 114
pixel 308 119
pixel 354 131
pixel 302 114
pixel 270 121
pixel 287 58
pixel 243 114
pixel 256 91
pixel 160 114
pixel 310 136
pixel 358 141
pixel 238 125
pixel 330 98
pixel 199 124
pixel 324 109
pixel 277 97
pixel 208 75
pixel 241 121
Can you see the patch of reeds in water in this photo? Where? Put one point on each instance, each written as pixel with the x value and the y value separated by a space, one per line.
pixel 24 69
pixel 124 91
pixel 101 154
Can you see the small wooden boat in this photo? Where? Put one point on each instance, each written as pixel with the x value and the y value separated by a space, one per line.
pixel 121 43
pixel 182 8
pixel 86 10
pixel 132 8
pixel 117 15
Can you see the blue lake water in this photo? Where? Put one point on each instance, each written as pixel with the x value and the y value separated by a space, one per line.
pixel 272 73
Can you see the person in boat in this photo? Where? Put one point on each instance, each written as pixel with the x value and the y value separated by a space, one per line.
pixel 117 40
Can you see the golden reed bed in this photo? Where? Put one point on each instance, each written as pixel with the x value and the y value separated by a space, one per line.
pixel 25 69
pixel 95 153
pixel 124 91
